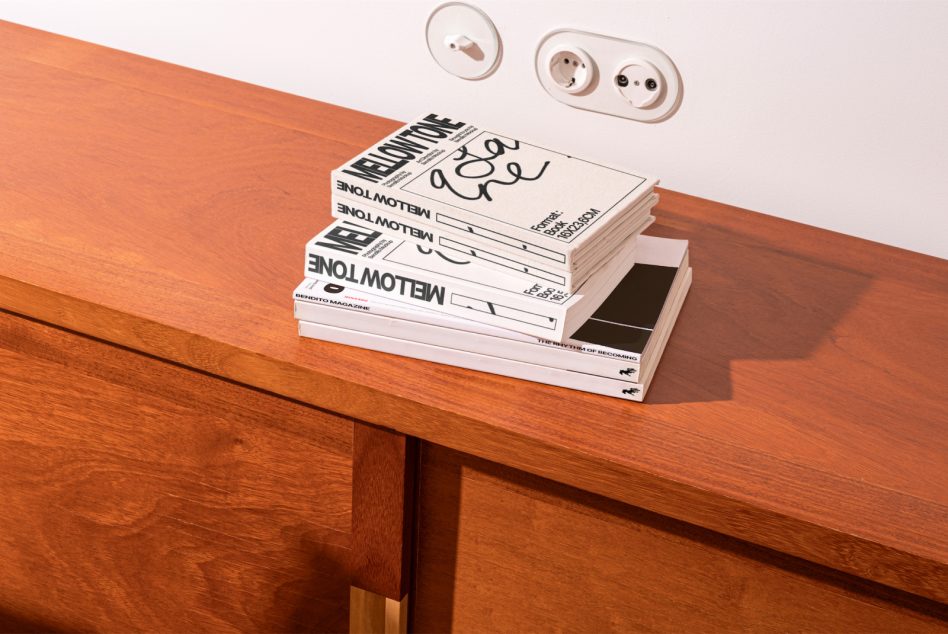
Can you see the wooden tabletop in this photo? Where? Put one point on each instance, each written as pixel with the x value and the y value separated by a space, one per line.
pixel 800 403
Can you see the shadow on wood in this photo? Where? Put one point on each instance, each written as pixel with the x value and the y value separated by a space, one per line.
pixel 751 298
pixel 11 623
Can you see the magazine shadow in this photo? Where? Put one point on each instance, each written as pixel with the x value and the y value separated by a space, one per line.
pixel 761 303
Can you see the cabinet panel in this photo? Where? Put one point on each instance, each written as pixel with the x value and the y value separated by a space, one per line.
pixel 500 550
pixel 139 495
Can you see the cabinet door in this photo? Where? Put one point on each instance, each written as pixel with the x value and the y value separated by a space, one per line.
pixel 142 496
pixel 503 551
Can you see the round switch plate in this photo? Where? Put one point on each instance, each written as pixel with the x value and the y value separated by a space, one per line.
pixel 463 40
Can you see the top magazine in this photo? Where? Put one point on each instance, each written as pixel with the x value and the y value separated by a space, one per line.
pixel 521 197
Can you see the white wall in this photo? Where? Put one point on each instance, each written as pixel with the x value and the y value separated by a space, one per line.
pixel 834 114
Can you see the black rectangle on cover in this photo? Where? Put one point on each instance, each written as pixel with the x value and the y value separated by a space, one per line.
pixel 627 317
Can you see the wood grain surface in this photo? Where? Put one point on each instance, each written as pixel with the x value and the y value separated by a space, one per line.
pixel 501 551
pixel 383 503
pixel 800 403
pixel 139 496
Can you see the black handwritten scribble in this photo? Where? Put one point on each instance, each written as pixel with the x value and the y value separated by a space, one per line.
pixel 631 390
pixel 627 372
pixel 427 251
pixel 473 167
pixel 490 308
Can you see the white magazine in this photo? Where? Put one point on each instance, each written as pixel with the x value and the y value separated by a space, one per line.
pixel 498 365
pixel 329 304
pixel 651 251
pixel 372 261
pixel 511 263
pixel 470 181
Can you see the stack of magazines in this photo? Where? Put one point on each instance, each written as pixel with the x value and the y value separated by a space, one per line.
pixel 457 245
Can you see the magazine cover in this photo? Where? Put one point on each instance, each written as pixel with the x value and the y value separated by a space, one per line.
pixel 511 194
pixel 616 338
pixel 632 391
pixel 375 262
pixel 512 263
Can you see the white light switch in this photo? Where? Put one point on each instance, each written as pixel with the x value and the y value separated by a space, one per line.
pixel 463 40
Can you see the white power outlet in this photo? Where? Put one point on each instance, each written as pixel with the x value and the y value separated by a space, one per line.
pixel 642 82
pixel 571 69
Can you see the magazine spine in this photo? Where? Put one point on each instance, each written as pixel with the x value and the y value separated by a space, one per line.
pixel 389 323
pixel 476 302
pixel 393 308
pixel 473 361
pixel 418 232
pixel 456 220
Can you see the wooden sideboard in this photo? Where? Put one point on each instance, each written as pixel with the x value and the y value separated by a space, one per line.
pixel 173 457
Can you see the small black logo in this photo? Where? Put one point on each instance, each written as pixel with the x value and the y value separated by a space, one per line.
pixel 333 288
pixel 627 372
pixel 631 390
